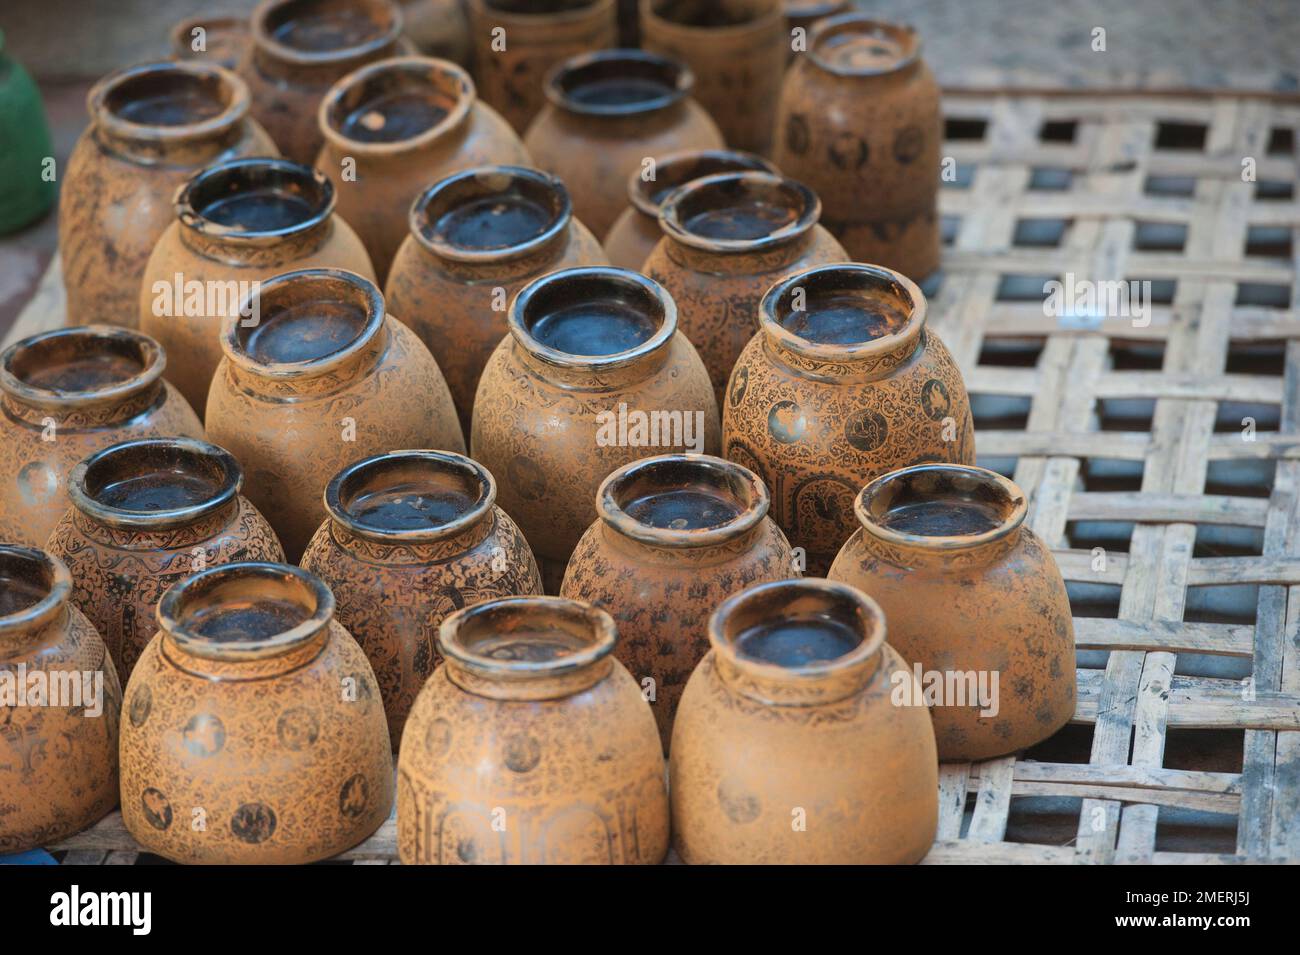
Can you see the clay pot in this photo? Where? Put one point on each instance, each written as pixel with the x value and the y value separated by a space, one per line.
pixel 405 123
pixel 636 231
pixel 255 706
pixel 677 534
pixel 58 763
pixel 592 374
pixel 607 113
pixel 860 123
pixel 300 49
pixel 323 378
pixel 789 748
pixel 145 515
pixel 213 38
pixel 152 127
pixel 411 537
pixel 438 28
pixel 531 720
pixel 842 383
pixel 727 239
pixel 968 589
pixel 478 237
pixel 66 394
pixel 242 221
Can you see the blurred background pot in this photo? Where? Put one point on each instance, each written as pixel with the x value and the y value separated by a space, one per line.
pixel 236 706
pixel 152 127
pixel 66 394
pixel 59 773
pixel 967 588
pixel 438 28
pixel 792 708
pixel 145 515
pixel 677 534
pixel 217 38
pixel 411 537
pixel 531 716
pixel 841 384
pixel 324 377
pixel 240 221
pixel 26 189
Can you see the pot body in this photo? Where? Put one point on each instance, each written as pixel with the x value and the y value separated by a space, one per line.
pixel 438 28
pixel 631 239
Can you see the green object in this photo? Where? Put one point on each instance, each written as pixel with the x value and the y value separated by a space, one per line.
pixel 26 188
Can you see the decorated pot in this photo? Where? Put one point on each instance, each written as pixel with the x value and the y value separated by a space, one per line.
pixel 300 49
pixel 975 604
pixel 438 28
pixel 253 730
pixel 393 128
pixel 860 123
pixel 608 114
pixel 727 239
pixel 152 127
pixel 237 224
pixel 842 383
pixel 411 537
pixel 145 515
pixel 677 534
pixel 518 41
pixel 593 373
pixel 531 744
pixel 737 50
pixel 323 378
pixel 789 747
pixel 215 38
pixel 60 703
pixel 65 394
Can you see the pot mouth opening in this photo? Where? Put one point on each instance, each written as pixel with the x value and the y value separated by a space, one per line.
pixel 411 496
pixel 539 8
pixel 618 83
pixel 224 35
pixel 303 323
pixel 491 213
pixel 856 44
pixel 256 198
pixel 246 610
pixel 595 317
pixel 677 169
pixel 34 585
pixel 396 104
pixel 168 100
pixel 710 14
pixel 682 500
pixel 155 482
pixel 739 212
pixel 84 364
pixel 941 507
pixel 326 31
pixel 523 638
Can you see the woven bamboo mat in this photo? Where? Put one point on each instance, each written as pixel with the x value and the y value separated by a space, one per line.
pixel 1162 458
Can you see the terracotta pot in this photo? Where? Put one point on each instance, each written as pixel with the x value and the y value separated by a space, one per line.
pixel 58 763
pixel 404 124
pixel 145 515
pixel 636 231
pixel 66 394
pixel 727 238
pixel 677 534
pixel 848 387
pixel 324 378
pixel 411 537
pixel 300 49
pixel 438 28
pixel 569 394
pixel 242 221
pixel 802 14
pixel 608 112
pixel 253 707
pixel 860 123
pixel 968 590
pixel 531 723
pixel 788 747
pixel 214 38
pixel 478 237
pixel 152 127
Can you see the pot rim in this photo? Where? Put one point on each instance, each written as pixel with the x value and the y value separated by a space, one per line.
pixel 194 220
pixel 446 460
pixel 601 624
pixel 682 82
pixel 824 28
pixel 232 479
pixel 717 469
pixel 744 162
pixel 687 31
pixel 263 39
pixel 562 215
pixel 558 18
pixel 152 359
pixel 670 213
pixel 234 111
pixel 1014 499
pixel 44 610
